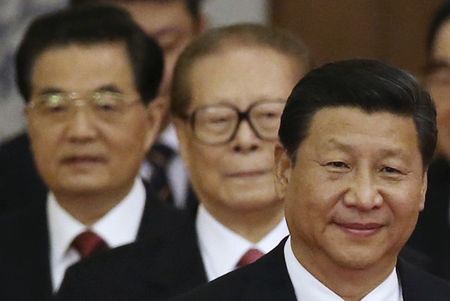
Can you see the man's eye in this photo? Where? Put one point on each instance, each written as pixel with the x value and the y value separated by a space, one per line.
pixel 56 108
pixel 337 164
pixel 268 115
pixel 218 120
pixel 390 170
pixel 106 103
pixel 106 107
pixel 53 105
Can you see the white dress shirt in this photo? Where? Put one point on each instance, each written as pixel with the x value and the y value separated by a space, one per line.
pixel 177 174
pixel 309 288
pixel 118 227
pixel 221 248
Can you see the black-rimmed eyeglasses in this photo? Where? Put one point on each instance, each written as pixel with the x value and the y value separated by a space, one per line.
pixel 218 124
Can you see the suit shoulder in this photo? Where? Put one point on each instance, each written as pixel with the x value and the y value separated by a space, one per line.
pixel 262 280
pixel 16 147
pixel 152 267
pixel 418 284
pixel 18 221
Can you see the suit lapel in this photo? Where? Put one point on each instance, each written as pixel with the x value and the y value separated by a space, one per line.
pixel 156 217
pixel 418 285
pixel 183 268
pixel 171 235
pixel 271 280
pixel 43 254
pixel 27 257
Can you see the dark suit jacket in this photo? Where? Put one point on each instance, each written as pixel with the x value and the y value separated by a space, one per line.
pixel 24 250
pixel 268 280
pixel 148 270
pixel 20 183
pixel 432 233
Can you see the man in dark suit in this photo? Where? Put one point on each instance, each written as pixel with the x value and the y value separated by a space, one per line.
pixel 432 234
pixel 173 24
pixel 356 138
pixel 89 76
pixel 230 87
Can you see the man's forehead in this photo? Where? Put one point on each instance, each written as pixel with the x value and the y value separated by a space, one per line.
pixel 118 47
pixel 344 121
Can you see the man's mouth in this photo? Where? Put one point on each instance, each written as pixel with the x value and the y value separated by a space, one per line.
pixel 247 173
pixel 362 229
pixel 82 160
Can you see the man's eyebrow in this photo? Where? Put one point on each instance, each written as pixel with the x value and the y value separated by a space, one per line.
pixel 109 88
pixel 385 152
pixel 49 90
pixel 333 142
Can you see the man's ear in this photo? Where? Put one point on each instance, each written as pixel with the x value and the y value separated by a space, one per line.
pixel 423 191
pixel 283 168
pixel 155 112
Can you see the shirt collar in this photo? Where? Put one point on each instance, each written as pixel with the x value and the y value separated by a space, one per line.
pixel 169 137
pixel 309 288
pixel 118 227
pixel 221 248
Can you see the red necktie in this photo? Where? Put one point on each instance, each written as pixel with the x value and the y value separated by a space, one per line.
pixel 250 256
pixel 88 243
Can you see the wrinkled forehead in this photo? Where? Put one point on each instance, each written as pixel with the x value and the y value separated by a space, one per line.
pixel 240 76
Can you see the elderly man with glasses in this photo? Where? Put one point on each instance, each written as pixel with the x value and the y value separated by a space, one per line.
pixel 229 90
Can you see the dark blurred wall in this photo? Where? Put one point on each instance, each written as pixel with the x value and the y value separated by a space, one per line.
pixel 390 30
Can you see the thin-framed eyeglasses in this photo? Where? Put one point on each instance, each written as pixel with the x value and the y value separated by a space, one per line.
pixel 56 106
pixel 218 124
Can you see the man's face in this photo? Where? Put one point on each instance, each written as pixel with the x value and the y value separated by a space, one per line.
pixel 353 195
pixel 238 175
pixel 438 83
pixel 170 23
pixel 85 153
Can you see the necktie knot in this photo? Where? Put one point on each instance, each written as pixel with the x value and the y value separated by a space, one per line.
pixel 249 257
pixel 88 243
pixel 160 157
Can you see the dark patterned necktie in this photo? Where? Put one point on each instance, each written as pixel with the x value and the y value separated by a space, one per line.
pixel 88 243
pixel 160 157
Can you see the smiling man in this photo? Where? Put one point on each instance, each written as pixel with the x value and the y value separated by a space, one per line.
pixel 89 77
pixel 357 138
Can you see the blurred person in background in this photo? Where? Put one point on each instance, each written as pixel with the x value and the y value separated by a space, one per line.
pixel 432 234
pixel 89 77
pixel 173 24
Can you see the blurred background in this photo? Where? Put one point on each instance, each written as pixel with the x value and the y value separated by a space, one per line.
pixel 392 31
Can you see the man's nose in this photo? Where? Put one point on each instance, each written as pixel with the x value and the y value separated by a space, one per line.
pixel 81 124
pixel 245 139
pixel 363 192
